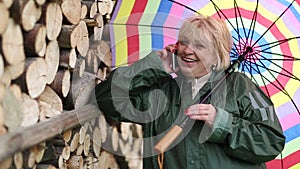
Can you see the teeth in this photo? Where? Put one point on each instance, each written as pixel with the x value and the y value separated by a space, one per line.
pixel 188 60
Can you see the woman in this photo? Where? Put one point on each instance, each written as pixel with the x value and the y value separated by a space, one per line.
pixel 234 128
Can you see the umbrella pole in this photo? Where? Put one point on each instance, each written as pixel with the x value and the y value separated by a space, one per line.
pixel 176 130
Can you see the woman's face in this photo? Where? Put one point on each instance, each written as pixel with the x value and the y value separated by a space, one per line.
pixel 195 58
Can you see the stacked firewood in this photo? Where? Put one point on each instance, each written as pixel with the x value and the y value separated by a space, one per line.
pixel 52 54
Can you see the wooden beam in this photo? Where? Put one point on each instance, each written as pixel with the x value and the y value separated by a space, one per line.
pixel 24 138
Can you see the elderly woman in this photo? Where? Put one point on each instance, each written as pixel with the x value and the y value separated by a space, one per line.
pixel 235 127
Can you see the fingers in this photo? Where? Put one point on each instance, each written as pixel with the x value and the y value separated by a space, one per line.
pixel 204 112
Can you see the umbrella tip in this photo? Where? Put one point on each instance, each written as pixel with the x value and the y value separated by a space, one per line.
pixel 249 49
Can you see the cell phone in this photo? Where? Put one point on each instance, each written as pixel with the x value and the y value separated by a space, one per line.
pixel 174 60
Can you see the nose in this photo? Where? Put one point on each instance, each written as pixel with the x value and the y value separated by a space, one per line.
pixel 188 49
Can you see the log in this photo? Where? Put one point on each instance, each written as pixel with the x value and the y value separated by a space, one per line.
pixel 96 33
pixel 50 104
pixel 115 139
pixel 34 40
pixel 31 110
pixel 29 157
pixel 84 11
pixel 86 145
pixel 1 66
pixel 79 67
pixel 15 70
pixel 18 160
pixel 69 36
pixel 7 3
pixel 79 149
pixel 30 14
pixel 83 43
pixel 67 135
pixel 52 60
pixel 26 13
pixel 4 17
pixel 103 128
pixel 22 139
pixel 75 162
pixel 40 149
pixel 45 166
pixel 40 2
pixel 52 18
pixel 67 58
pixel 102 51
pixel 74 142
pixel 6 163
pixel 34 78
pixel 12 43
pixel 103 7
pixel 61 83
pixel 71 9
pixel 12 110
pixel 106 160
pixel 96 141
pixel 91 8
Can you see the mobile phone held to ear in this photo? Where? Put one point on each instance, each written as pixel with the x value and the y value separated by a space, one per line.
pixel 174 60
pixel 174 57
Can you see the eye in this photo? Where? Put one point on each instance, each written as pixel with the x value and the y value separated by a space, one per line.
pixel 183 42
pixel 199 46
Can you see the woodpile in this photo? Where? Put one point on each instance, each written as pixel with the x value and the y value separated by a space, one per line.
pixel 51 58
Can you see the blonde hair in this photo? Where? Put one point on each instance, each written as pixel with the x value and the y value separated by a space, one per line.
pixel 214 31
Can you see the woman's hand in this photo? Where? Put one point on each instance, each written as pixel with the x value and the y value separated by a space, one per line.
pixel 204 112
pixel 166 57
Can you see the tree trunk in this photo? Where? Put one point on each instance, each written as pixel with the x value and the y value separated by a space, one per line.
pixel 61 83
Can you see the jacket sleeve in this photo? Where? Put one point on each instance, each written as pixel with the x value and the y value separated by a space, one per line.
pixel 120 97
pixel 252 131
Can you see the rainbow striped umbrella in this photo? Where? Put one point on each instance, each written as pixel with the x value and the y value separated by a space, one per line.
pixel 271 28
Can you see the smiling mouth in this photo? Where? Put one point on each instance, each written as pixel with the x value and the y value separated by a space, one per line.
pixel 189 60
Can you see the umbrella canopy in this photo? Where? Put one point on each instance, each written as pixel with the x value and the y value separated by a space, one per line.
pixel 271 28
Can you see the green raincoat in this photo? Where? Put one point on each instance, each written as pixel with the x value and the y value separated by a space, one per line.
pixel 246 132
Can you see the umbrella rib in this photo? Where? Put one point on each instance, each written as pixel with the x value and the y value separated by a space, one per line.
pixel 289 74
pixel 273 23
pixel 261 76
pixel 219 12
pixel 253 21
pixel 282 90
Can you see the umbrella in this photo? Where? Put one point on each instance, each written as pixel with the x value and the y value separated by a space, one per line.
pixel 270 28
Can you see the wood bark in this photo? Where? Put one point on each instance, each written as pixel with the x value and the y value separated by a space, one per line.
pixel 34 40
pixel 67 58
pixel 61 83
pixel 52 18
pixel 69 36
